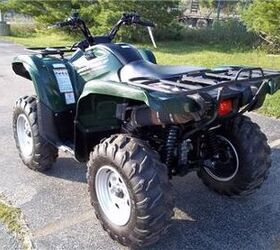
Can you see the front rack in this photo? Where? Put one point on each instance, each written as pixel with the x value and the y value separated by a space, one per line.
pixel 206 80
pixel 53 50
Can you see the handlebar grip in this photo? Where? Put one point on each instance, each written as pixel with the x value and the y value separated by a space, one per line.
pixel 61 24
pixel 52 26
pixel 65 23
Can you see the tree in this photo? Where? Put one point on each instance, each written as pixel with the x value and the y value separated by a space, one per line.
pixel 48 12
pixel 162 13
pixel 100 15
pixel 262 16
pixel 224 5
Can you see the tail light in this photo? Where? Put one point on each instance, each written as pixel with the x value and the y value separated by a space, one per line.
pixel 225 107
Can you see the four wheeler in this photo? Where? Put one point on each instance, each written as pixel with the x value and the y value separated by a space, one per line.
pixel 137 124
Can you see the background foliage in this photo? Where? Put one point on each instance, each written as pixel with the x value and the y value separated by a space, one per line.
pixel 162 13
pixel 225 5
pixel 258 17
pixel 230 32
pixel 100 15
pixel 263 17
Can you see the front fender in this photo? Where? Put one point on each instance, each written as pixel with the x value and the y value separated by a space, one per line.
pixel 147 55
pixel 39 69
pixel 25 66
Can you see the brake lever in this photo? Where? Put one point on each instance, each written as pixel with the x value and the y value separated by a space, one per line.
pixel 51 26
pixel 56 25
pixel 152 36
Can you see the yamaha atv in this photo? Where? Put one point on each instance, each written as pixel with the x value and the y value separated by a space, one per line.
pixel 137 124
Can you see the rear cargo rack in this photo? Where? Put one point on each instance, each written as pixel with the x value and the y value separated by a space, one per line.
pixel 206 80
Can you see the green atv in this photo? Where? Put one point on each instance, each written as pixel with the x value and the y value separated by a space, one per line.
pixel 137 124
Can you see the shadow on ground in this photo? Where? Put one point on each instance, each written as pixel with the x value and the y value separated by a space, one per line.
pixel 68 169
pixel 206 220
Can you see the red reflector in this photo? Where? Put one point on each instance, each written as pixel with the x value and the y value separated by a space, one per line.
pixel 225 107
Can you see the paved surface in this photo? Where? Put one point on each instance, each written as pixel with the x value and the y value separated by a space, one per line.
pixel 7 241
pixel 56 204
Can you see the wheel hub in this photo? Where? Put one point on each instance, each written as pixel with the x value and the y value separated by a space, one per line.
pixel 113 196
pixel 223 166
pixel 24 135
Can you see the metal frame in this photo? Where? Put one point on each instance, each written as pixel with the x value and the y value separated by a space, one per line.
pixel 53 50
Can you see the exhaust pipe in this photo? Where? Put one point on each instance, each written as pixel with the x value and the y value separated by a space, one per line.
pixel 145 116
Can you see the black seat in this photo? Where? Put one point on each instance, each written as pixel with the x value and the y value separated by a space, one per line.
pixel 143 68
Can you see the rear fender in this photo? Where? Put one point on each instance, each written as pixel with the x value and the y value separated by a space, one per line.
pixel 157 101
pixel 98 110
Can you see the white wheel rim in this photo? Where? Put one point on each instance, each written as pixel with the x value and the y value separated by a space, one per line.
pixel 24 135
pixel 113 195
pixel 224 179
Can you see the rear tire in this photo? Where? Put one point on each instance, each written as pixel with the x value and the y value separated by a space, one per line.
pixel 35 152
pixel 253 159
pixel 147 190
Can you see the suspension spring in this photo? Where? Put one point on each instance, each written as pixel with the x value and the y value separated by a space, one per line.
pixel 170 146
pixel 212 142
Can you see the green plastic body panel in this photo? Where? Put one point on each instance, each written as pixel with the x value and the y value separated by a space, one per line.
pixel 273 85
pixel 148 55
pixel 156 100
pixel 97 110
pixel 98 91
pixel 40 70
pixel 100 63
pixel 100 113
pixel 100 78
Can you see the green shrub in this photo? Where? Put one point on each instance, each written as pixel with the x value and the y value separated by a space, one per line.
pixel 161 13
pixel 22 29
pixel 101 15
pixel 231 32
pixel 172 31
pixel 263 17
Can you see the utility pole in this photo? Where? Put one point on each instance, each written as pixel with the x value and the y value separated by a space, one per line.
pixel 4 27
pixel 1 17
pixel 218 10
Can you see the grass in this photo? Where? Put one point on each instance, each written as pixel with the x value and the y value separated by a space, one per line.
pixel 188 53
pixel 41 40
pixel 11 217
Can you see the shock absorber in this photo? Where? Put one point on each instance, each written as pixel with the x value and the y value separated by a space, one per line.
pixel 170 146
pixel 212 142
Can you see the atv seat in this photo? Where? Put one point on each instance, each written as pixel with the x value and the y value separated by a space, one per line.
pixel 143 68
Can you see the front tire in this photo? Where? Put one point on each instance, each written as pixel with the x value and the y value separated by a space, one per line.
pixel 249 159
pixel 130 190
pixel 35 152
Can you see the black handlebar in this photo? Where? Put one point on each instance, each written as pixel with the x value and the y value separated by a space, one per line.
pixel 127 19
pixel 134 18
pixel 64 23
